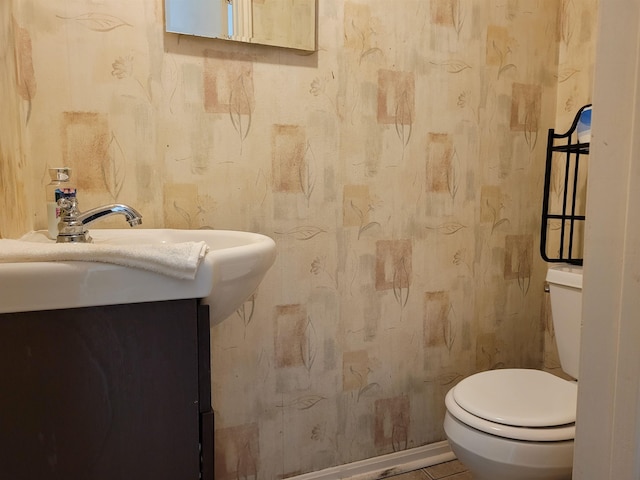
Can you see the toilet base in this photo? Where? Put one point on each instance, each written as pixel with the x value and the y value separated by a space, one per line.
pixel 493 458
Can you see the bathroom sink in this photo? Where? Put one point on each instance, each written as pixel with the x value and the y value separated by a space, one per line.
pixel 227 276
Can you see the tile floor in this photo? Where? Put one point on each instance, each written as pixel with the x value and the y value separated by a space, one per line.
pixel 452 470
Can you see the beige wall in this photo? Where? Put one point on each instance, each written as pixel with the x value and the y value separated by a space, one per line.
pixel 576 59
pixel 399 170
pixel 17 86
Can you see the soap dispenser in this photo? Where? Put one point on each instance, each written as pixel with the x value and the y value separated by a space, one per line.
pixel 60 182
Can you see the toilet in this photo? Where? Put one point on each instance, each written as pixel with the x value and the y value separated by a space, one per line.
pixel 519 424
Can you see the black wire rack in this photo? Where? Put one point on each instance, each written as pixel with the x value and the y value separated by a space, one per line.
pixel 564 201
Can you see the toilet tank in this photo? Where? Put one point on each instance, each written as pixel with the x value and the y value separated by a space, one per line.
pixel 565 287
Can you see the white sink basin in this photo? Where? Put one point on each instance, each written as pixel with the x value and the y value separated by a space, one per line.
pixel 228 275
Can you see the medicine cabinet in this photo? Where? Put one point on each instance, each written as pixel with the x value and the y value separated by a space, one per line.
pixel 280 23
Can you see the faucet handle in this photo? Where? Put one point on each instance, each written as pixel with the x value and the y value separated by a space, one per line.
pixel 68 206
pixel 70 228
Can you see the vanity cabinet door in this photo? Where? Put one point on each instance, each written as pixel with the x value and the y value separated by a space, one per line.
pixel 101 393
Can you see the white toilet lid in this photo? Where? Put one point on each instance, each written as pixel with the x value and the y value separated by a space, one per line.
pixel 518 397
pixel 528 434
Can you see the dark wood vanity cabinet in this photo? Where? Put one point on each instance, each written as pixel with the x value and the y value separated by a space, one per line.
pixel 118 392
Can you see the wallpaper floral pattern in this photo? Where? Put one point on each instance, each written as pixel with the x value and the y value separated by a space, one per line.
pixel 399 170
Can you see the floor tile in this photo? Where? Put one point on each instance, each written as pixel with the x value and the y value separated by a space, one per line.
pixel 415 475
pixel 446 470
pixel 460 476
pixel 452 470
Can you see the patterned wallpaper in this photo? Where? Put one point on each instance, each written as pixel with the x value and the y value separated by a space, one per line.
pixel 14 172
pixel 399 170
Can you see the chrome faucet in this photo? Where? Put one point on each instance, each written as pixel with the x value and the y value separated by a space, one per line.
pixel 72 226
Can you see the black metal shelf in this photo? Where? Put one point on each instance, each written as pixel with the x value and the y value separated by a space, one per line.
pixel 581 148
pixel 562 229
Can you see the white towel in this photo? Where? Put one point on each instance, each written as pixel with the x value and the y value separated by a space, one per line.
pixel 178 260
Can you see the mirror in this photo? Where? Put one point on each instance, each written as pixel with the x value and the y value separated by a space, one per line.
pixel 280 23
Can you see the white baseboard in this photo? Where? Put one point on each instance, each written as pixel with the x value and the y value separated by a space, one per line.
pixel 385 465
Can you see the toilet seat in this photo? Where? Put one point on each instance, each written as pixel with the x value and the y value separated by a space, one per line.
pixel 519 404
pixel 519 397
